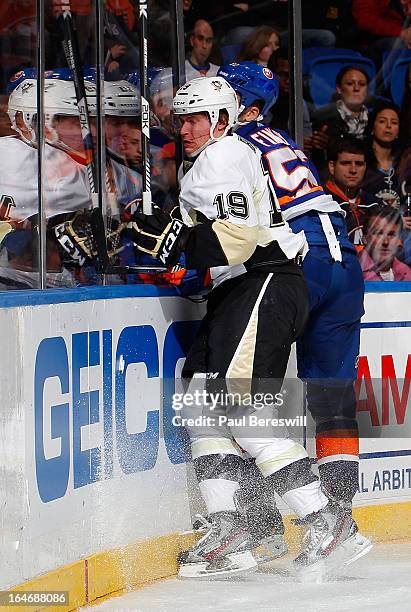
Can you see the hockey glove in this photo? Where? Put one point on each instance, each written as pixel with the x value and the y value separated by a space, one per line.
pixel 75 236
pixel 161 235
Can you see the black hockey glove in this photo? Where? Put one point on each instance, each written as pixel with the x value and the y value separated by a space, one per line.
pixel 162 235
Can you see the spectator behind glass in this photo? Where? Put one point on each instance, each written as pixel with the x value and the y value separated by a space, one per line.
pixel 85 26
pixel 384 25
pixel 346 168
pixel 382 237
pixel 280 113
pixel 260 45
pixel 201 44
pixel 162 92
pixel 120 40
pixel 348 114
pixel 384 153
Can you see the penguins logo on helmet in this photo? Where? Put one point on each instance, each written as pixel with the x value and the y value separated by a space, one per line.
pixel 26 87
pixel 217 85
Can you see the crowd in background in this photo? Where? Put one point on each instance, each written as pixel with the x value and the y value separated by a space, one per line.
pixel 356 107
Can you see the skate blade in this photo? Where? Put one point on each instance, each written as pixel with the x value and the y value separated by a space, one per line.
pixel 356 547
pixel 332 567
pixel 269 551
pixel 234 565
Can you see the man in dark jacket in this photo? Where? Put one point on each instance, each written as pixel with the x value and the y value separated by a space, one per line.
pixel 346 167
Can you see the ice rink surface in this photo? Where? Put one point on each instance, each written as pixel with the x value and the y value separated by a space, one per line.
pixel 379 582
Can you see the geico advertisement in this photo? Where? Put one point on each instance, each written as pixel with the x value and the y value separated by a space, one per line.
pixel 86 380
pixel 100 445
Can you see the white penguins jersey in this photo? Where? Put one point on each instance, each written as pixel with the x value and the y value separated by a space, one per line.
pixel 65 182
pixel 226 190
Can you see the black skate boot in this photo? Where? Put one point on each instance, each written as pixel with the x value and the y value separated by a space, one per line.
pixel 222 552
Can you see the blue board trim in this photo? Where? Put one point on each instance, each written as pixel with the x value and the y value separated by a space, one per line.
pixel 37 297
pixel 385 324
pixel 388 287
pixel 382 454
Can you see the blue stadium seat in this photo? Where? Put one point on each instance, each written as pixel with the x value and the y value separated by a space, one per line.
pixel 398 73
pixel 312 53
pixel 324 70
pixel 388 60
pixel 229 53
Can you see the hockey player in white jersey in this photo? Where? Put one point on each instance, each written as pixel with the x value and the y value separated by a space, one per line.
pixel 230 223
pixel 65 185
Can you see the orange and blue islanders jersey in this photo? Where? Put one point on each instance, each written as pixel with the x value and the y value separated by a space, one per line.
pixel 296 183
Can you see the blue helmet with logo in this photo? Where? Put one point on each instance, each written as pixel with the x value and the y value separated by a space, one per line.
pixel 253 82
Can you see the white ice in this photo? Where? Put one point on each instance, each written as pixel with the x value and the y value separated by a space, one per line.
pixel 379 582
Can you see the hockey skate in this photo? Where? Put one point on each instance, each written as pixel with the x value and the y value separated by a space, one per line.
pixel 256 503
pixel 201 524
pixel 268 548
pixel 224 551
pixel 331 542
pixel 267 531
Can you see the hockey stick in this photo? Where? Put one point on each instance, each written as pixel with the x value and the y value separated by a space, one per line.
pixel 145 107
pixel 72 55
pixel 71 51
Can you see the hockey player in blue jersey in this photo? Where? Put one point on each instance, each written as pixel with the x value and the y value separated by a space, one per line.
pixel 328 351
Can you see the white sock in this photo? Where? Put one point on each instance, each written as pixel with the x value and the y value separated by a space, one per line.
pixel 307 499
pixel 218 494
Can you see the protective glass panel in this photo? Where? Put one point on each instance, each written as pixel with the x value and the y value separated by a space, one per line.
pixel 18 151
pixel 140 141
pixel 357 75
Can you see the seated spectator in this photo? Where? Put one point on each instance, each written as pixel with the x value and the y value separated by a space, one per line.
pixel 85 26
pixel 384 25
pixel 346 167
pixel 201 44
pixel 120 41
pixel 382 237
pixel 348 114
pixel 162 92
pixel 279 64
pixel 259 46
pixel 384 153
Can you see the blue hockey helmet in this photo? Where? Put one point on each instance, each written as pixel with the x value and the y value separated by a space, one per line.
pixel 253 82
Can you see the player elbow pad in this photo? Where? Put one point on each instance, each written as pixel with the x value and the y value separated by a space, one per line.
pixel 220 243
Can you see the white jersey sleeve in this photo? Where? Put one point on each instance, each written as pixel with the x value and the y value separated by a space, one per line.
pixel 65 186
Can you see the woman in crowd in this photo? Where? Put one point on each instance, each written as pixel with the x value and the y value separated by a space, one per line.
pixel 384 153
pixel 260 45
pixel 348 112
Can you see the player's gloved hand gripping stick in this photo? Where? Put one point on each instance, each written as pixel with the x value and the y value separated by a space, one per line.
pixel 162 235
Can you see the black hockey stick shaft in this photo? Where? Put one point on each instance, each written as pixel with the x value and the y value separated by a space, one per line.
pixel 145 107
pixel 72 55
